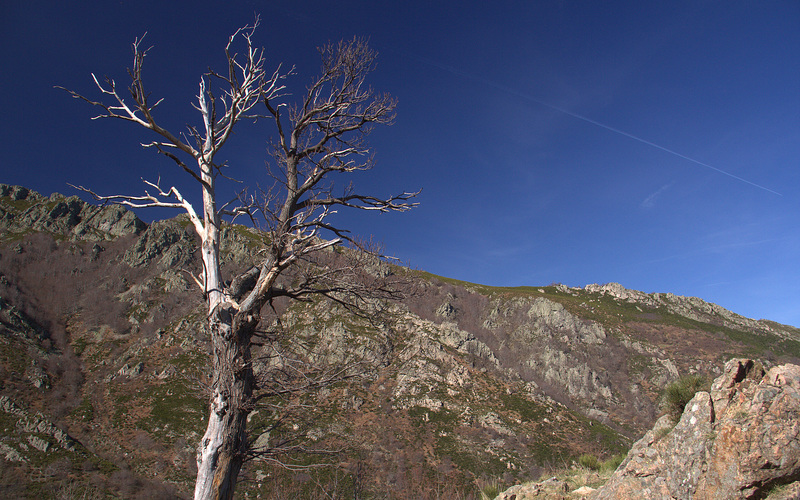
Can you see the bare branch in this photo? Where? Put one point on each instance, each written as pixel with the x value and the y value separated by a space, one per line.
pixel 149 201
pixel 160 148
pixel 396 203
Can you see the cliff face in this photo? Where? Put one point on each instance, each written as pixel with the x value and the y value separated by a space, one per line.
pixel 102 337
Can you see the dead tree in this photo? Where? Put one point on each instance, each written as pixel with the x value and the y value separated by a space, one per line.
pixel 322 133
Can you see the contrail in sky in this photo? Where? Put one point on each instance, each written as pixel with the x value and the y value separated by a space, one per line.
pixel 530 98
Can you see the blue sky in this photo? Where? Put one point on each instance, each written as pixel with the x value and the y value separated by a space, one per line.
pixel 654 144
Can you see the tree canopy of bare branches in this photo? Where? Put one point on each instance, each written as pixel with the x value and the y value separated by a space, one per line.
pixel 324 130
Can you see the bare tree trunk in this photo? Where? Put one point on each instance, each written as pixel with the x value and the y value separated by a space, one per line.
pixel 223 447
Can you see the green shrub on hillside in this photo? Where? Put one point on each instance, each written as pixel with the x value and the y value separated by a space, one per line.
pixel 678 394
pixel 589 461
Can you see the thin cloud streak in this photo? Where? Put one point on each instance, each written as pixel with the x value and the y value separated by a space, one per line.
pixel 650 201
pixel 567 112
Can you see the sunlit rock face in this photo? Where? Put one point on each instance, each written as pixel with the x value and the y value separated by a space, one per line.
pixel 739 440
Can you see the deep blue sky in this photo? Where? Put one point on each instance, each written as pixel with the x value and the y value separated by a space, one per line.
pixel 654 144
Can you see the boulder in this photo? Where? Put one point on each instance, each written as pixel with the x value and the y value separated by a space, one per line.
pixel 739 440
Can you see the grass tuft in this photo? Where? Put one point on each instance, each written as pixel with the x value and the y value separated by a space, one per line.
pixel 678 394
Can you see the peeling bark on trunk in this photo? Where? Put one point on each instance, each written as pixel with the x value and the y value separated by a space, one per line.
pixel 224 445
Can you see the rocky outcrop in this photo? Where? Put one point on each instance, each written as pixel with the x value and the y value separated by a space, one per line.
pixel 426 363
pixel 23 210
pixel 739 440
pixel 553 317
pixel 549 345
pixel 21 338
pixel 549 489
pixel 693 308
pixel 553 489
pixel 167 244
pixel 33 429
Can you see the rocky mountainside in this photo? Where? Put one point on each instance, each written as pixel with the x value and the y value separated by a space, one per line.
pixel 103 359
